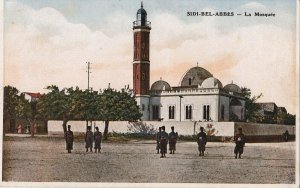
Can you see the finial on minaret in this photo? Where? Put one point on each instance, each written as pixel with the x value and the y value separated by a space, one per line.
pixel 197 63
pixel 141 4
pixel 160 78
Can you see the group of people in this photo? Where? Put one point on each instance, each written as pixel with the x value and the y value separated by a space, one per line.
pixel 90 138
pixel 162 139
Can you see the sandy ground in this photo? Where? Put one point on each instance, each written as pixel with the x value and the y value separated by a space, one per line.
pixel 45 159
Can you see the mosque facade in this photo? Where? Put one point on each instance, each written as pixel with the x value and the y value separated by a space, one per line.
pixel 199 96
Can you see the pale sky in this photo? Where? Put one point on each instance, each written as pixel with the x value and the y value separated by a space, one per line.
pixel 48 42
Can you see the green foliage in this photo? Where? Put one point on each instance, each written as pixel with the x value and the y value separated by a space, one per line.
pixel 251 107
pixel 118 106
pixel 290 119
pixel 15 105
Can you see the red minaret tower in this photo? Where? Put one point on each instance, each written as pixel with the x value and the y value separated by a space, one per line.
pixel 141 62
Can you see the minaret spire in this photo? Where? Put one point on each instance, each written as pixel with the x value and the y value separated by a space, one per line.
pixel 141 4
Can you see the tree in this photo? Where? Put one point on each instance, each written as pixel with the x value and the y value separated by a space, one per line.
pixel 15 105
pixel 65 104
pixel 118 106
pixel 251 107
pixel 91 106
pixel 290 119
pixel 11 102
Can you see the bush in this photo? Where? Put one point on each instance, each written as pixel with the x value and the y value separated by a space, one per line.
pixel 141 128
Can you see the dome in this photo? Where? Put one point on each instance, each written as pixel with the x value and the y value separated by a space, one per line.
pixel 141 17
pixel 160 85
pixel 211 82
pixel 195 76
pixel 141 11
pixel 233 88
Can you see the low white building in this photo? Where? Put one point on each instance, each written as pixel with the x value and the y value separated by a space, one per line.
pixel 200 97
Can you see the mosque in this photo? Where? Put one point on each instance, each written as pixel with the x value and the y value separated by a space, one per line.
pixel 198 97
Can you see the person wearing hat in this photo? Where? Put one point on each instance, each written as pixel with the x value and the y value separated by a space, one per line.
pixel 172 140
pixel 89 139
pixel 163 142
pixel 69 139
pixel 97 138
pixel 158 140
pixel 239 143
pixel 201 140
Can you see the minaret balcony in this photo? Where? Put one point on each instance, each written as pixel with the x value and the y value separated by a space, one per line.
pixel 140 23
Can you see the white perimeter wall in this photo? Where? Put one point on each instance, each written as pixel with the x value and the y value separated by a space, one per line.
pixel 183 128
pixel 227 129
pixel 256 129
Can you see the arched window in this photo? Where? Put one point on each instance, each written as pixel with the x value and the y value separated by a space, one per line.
pixel 206 112
pixel 171 112
pixel 190 81
pixel 188 112
pixel 222 112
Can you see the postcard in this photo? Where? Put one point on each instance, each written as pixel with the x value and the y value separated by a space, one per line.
pixel 126 93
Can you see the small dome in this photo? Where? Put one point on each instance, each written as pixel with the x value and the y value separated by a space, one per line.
pixel 141 11
pixel 160 85
pixel 233 88
pixel 195 76
pixel 211 82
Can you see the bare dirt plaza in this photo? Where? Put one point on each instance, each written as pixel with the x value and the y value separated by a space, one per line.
pixel 45 159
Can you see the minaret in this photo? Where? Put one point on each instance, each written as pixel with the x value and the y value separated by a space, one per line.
pixel 141 63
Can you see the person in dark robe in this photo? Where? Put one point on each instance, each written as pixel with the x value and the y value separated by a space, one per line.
pixel 172 141
pixel 163 142
pixel 89 139
pixel 97 138
pixel 201 140
pixel 158 140
pixel 239 143
pixel 286 136
pixel 69 139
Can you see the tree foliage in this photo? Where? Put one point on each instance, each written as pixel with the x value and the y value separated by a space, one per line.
pixel 17 107
pixel 75 104
pixel 252 113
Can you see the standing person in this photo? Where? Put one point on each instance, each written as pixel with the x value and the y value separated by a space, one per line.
pixel 89 139
pixel 239 143
pixel 19 129
pixel 158 140
pixel 172 140
pixel 97 138
pixel 201 140
pixel 69 139
pixel 163 142
pixel 286 136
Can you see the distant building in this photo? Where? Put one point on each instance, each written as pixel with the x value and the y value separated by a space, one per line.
pixel 271 113
pixel 32 96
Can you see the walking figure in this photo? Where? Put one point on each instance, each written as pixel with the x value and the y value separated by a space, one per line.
pixel 163 142
pixel 172 141
pixel 97 138
pixel 89 139
pixel 158 135
pixel 69 139
pixel 239 143
pixel 201 140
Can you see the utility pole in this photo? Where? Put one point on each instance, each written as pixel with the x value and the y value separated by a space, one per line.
pixel 88 71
